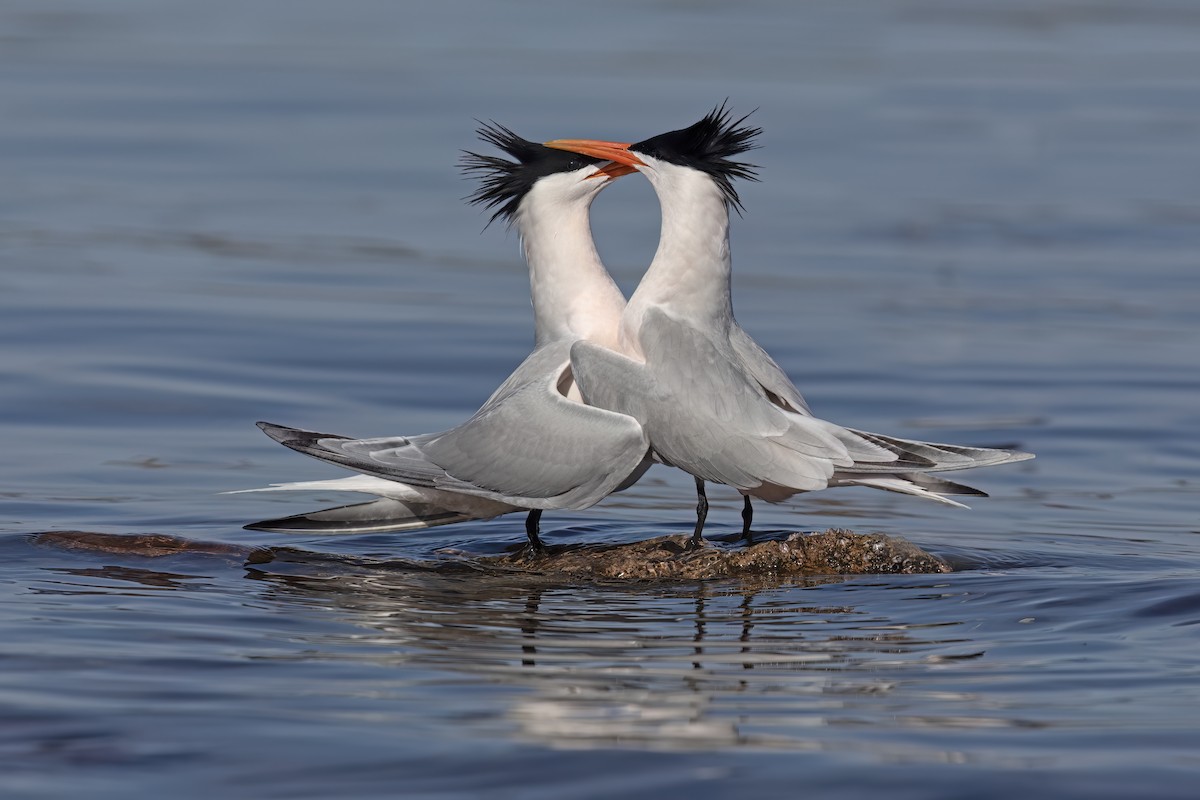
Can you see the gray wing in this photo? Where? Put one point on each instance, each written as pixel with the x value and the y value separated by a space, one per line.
pixel 872 452
pixel 707 413
pixel 703 413
pixel 376 516
pixel 763 369
pixel 528 445
pixel 537 445
pixel 917 456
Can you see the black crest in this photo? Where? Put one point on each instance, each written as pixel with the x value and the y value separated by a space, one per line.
pixel 502 183
pixel 709 146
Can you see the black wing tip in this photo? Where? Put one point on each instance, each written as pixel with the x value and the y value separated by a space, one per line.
pixel 300 524
pixel 953 487
pixel 357 519
pixel 295 438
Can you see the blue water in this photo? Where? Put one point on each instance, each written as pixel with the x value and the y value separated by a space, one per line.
pixel 978 223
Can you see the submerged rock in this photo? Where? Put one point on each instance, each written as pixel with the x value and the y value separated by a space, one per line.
pixel 832 552
pixel 147 545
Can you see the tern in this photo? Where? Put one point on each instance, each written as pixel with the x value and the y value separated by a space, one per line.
pixel 711 400
pixel 533 445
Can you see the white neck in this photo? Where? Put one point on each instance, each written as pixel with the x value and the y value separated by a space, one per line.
pixel 690 274
pixel 573 295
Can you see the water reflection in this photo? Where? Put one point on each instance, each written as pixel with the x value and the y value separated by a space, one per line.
pixel 647 667
pixel 894 669
pixel 144 578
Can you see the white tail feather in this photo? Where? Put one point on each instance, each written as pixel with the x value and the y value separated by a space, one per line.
pixel 893 484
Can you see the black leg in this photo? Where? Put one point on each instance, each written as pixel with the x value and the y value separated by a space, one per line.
pixel 747 517
pixel 532 524
pixel 701 514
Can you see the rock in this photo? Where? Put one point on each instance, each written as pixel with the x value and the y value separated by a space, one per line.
pixel 831 552
pixel 147 545
pixel 666 559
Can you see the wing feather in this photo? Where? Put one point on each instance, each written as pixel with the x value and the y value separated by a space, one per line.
pixel 529 446
pixel 769 375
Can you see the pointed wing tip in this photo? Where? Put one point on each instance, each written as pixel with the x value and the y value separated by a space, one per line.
pixel 295 438
pixel 383 515
pixel 279 433
pixel 304 524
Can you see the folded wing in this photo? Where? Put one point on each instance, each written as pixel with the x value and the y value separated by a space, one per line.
pixel 531 447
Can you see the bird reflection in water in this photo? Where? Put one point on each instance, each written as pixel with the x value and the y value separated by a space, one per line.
pixel 662 666
pixel 650 665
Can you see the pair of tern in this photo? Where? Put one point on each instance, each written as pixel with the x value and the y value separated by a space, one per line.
pixel 613 386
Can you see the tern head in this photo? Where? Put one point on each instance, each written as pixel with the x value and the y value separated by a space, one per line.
pixel 707 147
pixel 539 174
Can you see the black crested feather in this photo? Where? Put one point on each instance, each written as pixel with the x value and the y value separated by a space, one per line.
pixel 503 183
pixel 709 146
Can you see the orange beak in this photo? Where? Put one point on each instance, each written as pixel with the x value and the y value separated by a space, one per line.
pixel 612 170
pixel 613 151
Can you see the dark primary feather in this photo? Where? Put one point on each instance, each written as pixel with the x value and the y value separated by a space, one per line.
pixel 383 515
pixel 503 183
pixel 709 146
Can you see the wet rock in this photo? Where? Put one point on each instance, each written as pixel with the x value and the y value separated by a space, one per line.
pixel 832 552
pixel 147 545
